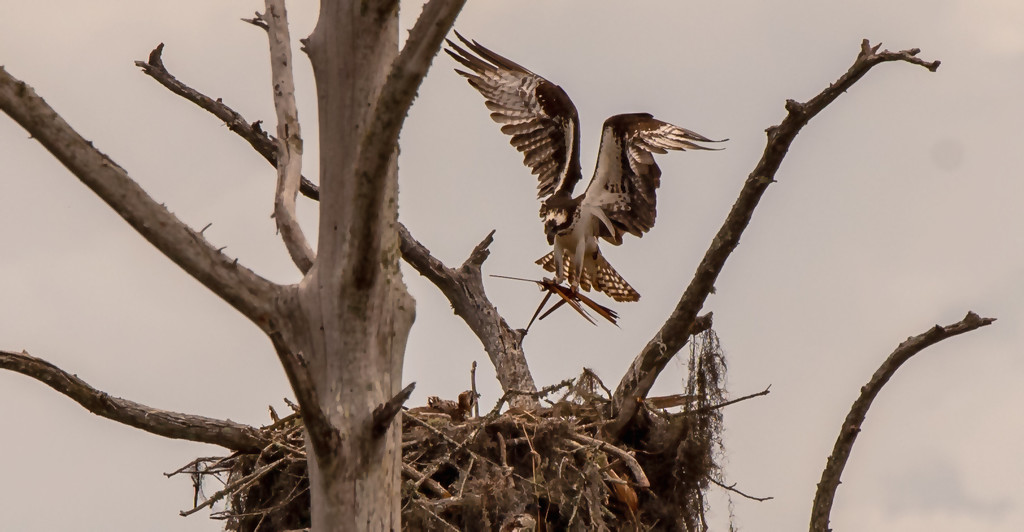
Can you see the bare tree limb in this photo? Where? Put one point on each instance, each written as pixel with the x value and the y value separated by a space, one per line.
pixel 380 142
pixel 251 294
pixel 289 138
pixel 252 132
pixel 826 492
pixel 464 289
pixel 673 335
pixel 228 434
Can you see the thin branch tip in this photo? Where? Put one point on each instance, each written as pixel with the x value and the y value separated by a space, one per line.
pixel 837 460
pixel 973 317
pixel 258 20
pixel 156 56
pixel 480 252
pixel 732 488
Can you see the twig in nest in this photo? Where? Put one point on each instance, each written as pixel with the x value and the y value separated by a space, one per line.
pixel 435 516
pixel 536 395
pixel 631 463
pixel 503 450
pixel 433 486
pixel 457 446
pixel 476 396
pixel 194 464
pixel 465 474
pixel 237 485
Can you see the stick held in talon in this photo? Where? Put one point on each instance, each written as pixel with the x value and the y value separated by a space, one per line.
pixel 568 296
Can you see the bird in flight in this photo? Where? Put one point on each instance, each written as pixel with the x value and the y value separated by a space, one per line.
pixel 544 126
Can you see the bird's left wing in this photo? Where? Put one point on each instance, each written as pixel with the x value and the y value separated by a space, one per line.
pixel 622 193
pixel 537 114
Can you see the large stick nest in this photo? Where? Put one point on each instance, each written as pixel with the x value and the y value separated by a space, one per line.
pixel 514 471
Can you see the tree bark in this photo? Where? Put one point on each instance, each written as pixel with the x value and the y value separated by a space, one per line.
pixel 350 316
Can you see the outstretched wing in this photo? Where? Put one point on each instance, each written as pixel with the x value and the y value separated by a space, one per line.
pixel 538 114
pixel 622 193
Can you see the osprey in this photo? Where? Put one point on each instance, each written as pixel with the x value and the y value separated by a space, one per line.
pixel 544 126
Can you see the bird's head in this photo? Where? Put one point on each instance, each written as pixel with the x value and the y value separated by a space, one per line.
pixel 558 214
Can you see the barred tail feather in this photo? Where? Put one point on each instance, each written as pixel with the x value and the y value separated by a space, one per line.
pixel 606 280
pixel 610 282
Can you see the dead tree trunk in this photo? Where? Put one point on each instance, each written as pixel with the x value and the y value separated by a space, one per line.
pixel 348 321
pixel 351 315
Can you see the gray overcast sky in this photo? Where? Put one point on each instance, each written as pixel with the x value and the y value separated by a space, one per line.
pixel 897 208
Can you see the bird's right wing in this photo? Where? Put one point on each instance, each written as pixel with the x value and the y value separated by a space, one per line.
pixel 623 191
pixel 538 114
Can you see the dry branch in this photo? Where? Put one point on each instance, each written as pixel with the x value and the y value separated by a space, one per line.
pixel 732 488
pixel 483 472
pixel 235 486
pixel 631 463
pixel 228 434
pixel 289 138
pixel 263 143
pixel 826 492
pixel 536 396
pixel 385 413
pixel 464 289
pixel 433 486
pixel 672 336
pixel 379 145
pixel 709 408
pixel 251 294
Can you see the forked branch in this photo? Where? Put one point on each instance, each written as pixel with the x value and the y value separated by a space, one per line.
pixel 826 493
pixel 464 289
pixel 251 294
pixel 289 138
pixel 227 434
pixel 673 335
pixel 463 286
pixel 380 143
pixel 323 436
pixel 263 143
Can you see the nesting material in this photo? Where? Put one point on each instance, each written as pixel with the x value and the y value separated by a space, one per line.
pixel 549 469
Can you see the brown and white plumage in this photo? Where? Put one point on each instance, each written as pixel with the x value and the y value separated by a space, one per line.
pixel 544 126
